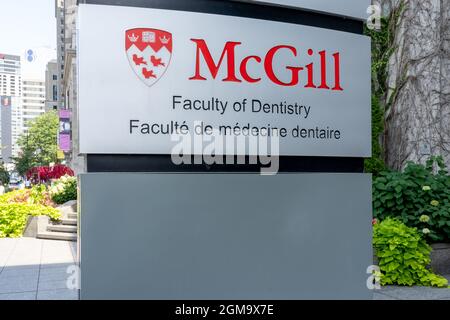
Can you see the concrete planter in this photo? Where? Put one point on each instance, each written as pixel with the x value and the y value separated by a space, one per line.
pixel 31 228
pixel 35 225
pixel 440 258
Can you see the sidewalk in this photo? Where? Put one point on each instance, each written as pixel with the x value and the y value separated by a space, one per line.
pixel 35 269
pixel 412 293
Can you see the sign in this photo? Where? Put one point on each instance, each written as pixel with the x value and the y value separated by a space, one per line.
pixel 145 74
pixel 64 130
pixel 348 8
pixel 147 48
pixel 60 154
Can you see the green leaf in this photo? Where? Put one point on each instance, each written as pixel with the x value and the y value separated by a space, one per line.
pixel 403 255
pixel 39 143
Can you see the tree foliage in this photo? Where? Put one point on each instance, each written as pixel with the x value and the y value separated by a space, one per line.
pixel 39 145
pixel 24 161
pixel 383 47
pixel 4 175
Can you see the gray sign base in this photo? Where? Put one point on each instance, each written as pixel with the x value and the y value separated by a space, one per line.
pixel 225 236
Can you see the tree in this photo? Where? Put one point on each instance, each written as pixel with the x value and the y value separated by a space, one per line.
pixel 24 161
pixel 4 175
pixel 39 146
pixel 417 120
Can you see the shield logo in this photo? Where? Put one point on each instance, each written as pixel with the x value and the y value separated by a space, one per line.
pixel 149 52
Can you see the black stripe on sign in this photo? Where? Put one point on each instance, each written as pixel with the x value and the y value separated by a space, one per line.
pixel 247 10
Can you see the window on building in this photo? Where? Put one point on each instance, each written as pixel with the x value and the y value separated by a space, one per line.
pixel 55 77
pixel 55 93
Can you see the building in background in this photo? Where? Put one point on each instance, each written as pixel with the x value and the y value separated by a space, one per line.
pixel 10 126
pixel 51 86
pixel 60 29
pixel 11 115
pixel 10 75
pixel 65 12
pixel 33 101
pixel 16 124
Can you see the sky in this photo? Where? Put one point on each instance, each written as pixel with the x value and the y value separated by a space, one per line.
pixel 25 25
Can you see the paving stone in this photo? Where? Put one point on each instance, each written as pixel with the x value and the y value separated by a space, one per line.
pixel 22 275
pixel 56 252
pixel 60 294
pixel 73 247
pixel 18 284
pixel 56 265
pixel 416 293
pixel 31 295
pixel 20 271
pixel 52 285
pixel 380 296
pixel 27 252
pixel 57 273
pixel 7 245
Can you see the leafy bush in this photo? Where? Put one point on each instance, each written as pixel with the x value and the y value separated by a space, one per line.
pixel 13 217
pixel 375 165
pixel 40 195
pixel 37 195
pixel 403 255
pixel 417 196
pixel 19 196
pixel 64 189
pixel 46 173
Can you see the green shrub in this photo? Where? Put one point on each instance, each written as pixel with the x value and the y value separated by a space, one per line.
pixel 36 195
pixel 13 217
pixel 375 164
pixel 418 197
pixel 17 196
pixel 64 189
pixel 403 255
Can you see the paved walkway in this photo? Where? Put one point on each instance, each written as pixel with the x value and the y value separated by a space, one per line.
pixel 412 293
pixel 33 269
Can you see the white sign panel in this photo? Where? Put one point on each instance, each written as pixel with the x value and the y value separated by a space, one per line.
pixel 347 8
pixel 145 74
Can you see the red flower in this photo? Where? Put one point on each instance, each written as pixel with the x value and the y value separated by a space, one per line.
pixel 45 173
pixel 374 221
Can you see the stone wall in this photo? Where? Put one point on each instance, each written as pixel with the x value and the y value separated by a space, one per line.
pixel 417 121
